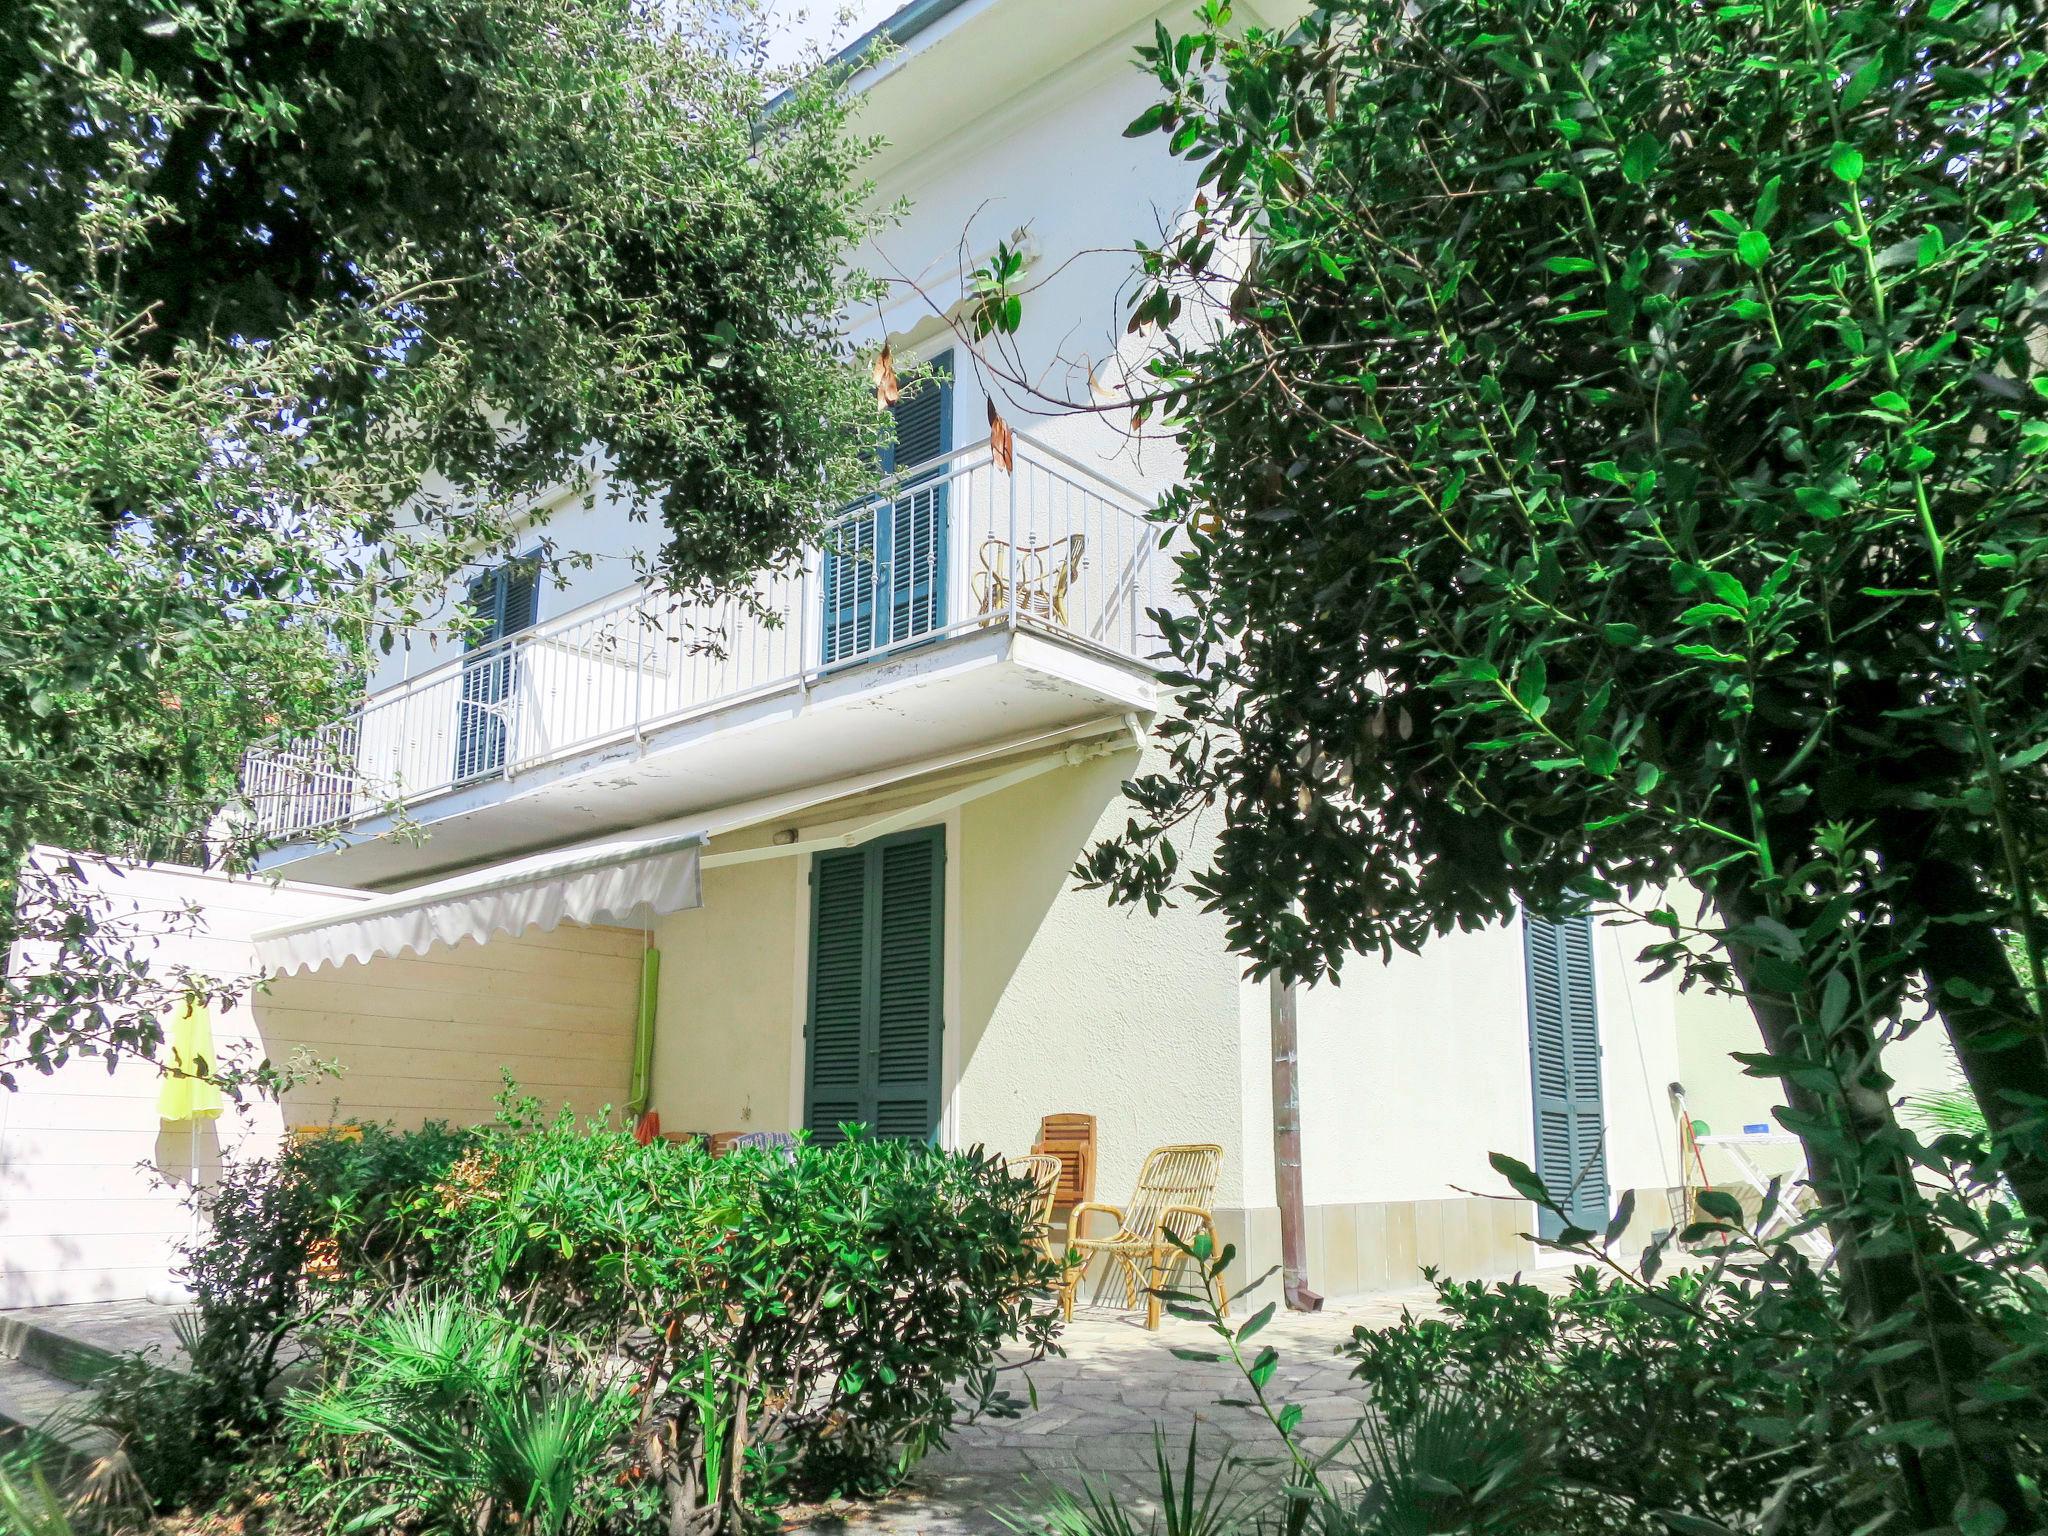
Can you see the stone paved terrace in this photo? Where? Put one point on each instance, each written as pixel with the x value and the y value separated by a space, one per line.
pixel 1098 1408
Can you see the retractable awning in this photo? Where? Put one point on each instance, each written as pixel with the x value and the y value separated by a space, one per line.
pixel 630 880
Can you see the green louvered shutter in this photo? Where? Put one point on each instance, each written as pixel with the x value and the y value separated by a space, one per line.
pixel 839 948
pixel 507 600
pixel 873 1041
pixel 1564 1069
pixel 884 578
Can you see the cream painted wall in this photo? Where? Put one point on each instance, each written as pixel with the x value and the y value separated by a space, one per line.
pixel 1068 1004
pixel 92 1183
pixel 1055 1002
pixel 1639 1061
pixel 729 990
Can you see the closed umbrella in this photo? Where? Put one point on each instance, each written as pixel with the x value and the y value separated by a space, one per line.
pixel 189 1092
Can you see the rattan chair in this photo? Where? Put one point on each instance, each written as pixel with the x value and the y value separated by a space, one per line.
pixel 1175 1188
pixel 1044 1170
pixel 1043 573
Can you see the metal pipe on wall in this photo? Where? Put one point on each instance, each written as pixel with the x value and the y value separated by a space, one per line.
pixel 1287 1149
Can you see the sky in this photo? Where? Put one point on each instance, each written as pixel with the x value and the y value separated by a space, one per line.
pixel 829 23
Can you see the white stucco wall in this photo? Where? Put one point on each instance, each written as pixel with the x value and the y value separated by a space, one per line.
pixel 92 1183
pixel 1048 159
pixel 1412 1070
pixel 1071 1005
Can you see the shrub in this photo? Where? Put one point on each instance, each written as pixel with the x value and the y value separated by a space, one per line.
pixel 1735 1397
pixel 1674 1396
pixel 790 1321
pixel 544 1325
pixel 185 1432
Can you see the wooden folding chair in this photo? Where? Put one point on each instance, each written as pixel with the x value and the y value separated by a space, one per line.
pixel 1071 1139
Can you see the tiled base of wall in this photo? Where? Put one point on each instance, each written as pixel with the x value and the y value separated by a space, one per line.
pixel 1383 1246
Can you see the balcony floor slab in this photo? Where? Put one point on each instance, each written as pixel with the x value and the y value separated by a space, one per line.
pixel 951 696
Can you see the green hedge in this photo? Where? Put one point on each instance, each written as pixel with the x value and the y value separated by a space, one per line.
pixel 478 1306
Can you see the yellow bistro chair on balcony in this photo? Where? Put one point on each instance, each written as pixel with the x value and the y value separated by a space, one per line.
pixel 1043 574
pixel 1176 1189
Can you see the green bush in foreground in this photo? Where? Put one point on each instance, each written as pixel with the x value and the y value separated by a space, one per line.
pixel 1717 1400
pixel 542 1325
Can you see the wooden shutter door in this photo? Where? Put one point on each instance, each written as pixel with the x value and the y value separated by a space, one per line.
pixel 832 1034
pixel 915 535
pixel 1564 1069
pixel 910 872
pixel 875 1023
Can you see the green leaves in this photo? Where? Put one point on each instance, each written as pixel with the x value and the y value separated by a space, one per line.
pixel 286 264
pixel 1639 162
pixel 1845 163
pixel 1753 248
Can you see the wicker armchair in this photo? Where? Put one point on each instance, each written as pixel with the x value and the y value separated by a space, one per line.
pixel 1042 572
pixel 1044 1170
pixel 1175 1189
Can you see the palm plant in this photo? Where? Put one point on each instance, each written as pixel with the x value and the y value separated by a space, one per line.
pixel 1452 1465
pixel 456 1414
pixel 1189 1504
pixel 1947 1111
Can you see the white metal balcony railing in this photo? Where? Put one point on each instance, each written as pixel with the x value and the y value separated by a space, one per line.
pixel 951 546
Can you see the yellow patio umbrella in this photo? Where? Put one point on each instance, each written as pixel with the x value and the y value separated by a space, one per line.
pixel 189 1092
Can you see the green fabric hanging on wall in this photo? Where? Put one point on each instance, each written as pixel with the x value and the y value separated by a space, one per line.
pixel 642 1087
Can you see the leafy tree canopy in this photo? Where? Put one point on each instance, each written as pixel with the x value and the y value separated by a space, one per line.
pixel 305 303
pixel 1621 463
pixel 1614 439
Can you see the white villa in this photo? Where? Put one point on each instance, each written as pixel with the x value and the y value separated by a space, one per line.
pixel 849 837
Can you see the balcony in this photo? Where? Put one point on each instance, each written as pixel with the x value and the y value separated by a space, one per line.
pixel 1046 569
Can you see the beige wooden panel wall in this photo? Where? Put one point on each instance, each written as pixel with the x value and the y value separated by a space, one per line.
pixel 92 1183
pixel 428 1037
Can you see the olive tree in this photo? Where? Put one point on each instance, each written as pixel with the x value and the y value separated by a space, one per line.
pixel 1614 441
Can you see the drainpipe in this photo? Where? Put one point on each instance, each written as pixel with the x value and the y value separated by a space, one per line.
pixel 1287 1150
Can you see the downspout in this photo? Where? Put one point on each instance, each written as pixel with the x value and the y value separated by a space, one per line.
pixel 1287 1149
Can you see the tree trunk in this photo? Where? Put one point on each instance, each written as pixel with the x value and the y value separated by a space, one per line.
pixel 1851 1138
pixel 1994 1027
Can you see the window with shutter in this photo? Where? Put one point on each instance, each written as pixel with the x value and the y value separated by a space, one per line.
pixel 1564 1069
pixel 872 1039
pixel 884 576
pixel 507 600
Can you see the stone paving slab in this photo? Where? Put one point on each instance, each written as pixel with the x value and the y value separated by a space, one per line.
pixel 48 1408
pixel 109 1327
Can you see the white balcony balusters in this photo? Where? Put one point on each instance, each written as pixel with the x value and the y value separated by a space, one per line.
pixel 948 547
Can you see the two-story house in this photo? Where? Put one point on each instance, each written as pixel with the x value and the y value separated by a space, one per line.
pixel 755 876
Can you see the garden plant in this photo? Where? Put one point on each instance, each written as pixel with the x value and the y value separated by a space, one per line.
pixel 544 1325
